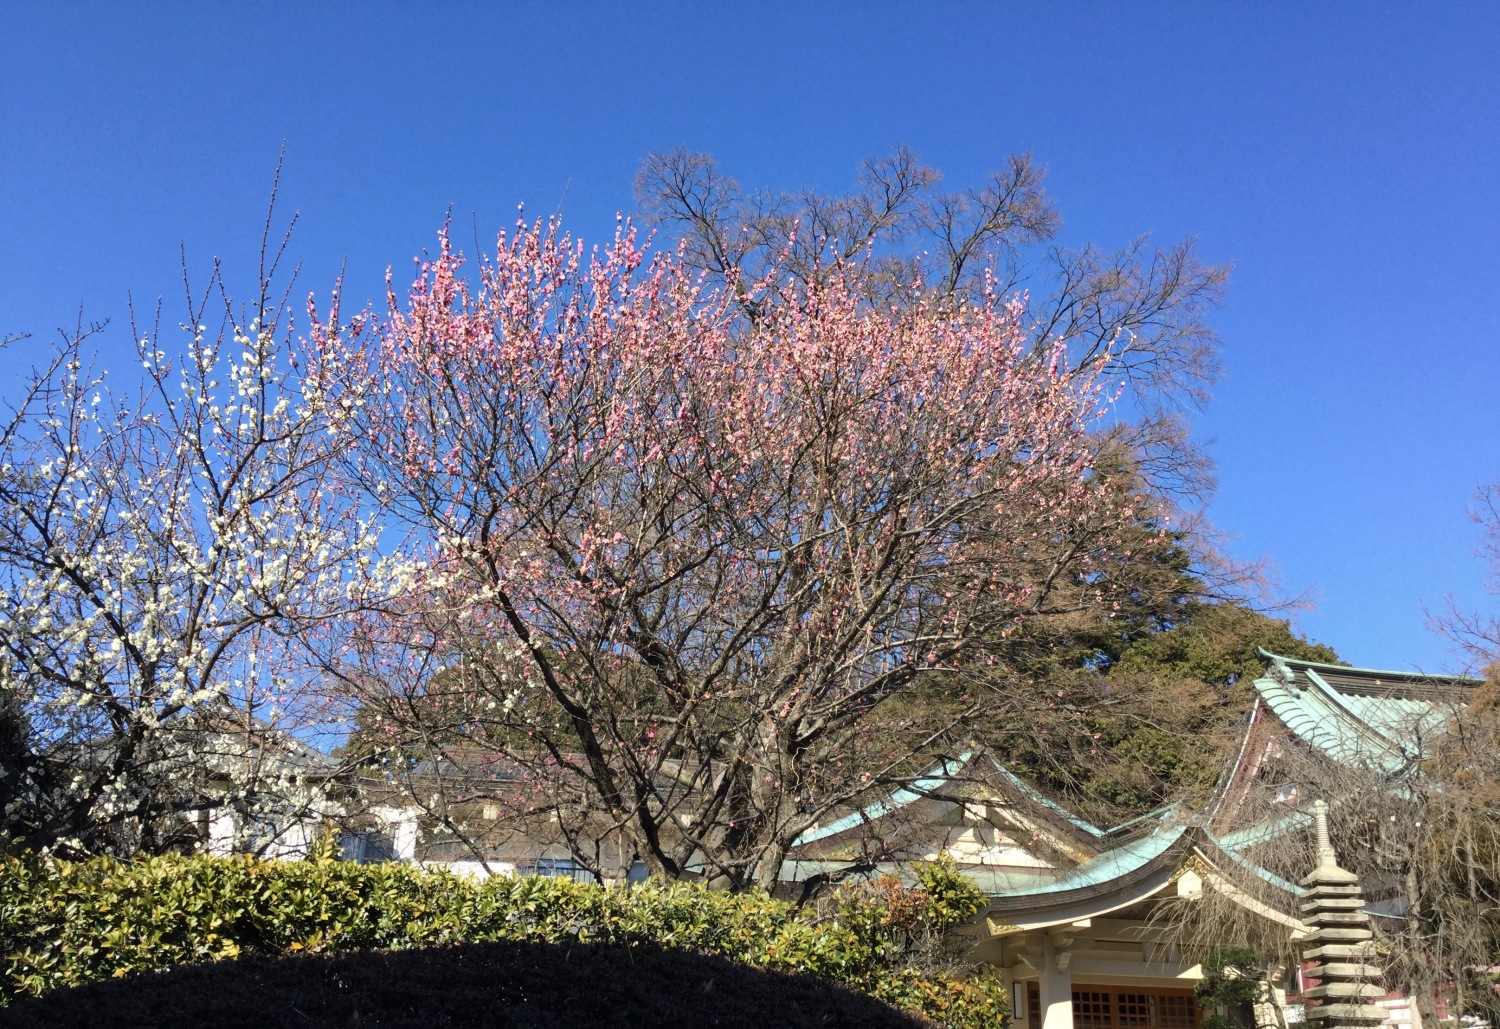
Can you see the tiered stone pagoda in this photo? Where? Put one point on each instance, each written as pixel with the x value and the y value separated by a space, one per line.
pixel 1339 944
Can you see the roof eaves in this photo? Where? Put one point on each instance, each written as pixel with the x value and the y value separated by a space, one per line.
pixel 1243 839
pixel 1037 797
pixel 1120 866
pixel 1461 680
pixel 940 773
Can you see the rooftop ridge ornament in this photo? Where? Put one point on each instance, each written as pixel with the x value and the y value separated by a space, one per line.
pixel 1284 675
pixel 1340 945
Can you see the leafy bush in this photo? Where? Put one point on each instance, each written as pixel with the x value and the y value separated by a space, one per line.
pixel 1234 978
pixel 64 924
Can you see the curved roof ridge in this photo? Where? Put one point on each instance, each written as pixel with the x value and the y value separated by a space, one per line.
pixel 1351 669
pixel 1042 800
pixel 940 772
pixel 1108 866
pixel 1134 872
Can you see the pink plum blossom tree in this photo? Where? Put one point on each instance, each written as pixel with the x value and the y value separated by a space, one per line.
pixel 676 566
pixel 1140 308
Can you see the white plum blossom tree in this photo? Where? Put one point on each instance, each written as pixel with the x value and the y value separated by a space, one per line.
pixel 168 553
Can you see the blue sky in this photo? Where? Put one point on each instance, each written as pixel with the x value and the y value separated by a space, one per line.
pixel 1346 158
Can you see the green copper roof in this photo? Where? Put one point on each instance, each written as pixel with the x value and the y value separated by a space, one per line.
pixel 1036 797
pixel 1357 715
pixel 1243 839
pixel 1105 868
pixel 935 778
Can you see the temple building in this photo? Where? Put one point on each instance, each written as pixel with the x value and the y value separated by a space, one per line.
pixel 1086 923
pixel 1078 919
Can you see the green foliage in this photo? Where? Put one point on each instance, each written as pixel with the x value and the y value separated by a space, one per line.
pixel 950 897
pixel 63 924
pixel 1145 714
pixel 887 924
pixel 1234 977
pixel 894 934
pixel 1216 644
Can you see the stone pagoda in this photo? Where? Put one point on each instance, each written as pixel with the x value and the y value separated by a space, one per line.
pixel 1340 945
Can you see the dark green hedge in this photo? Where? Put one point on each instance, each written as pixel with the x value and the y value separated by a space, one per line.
pixel 63 924
pixel 500 984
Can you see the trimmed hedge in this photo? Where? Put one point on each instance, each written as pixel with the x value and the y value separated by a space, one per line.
pixel 64 924
pixel 502 984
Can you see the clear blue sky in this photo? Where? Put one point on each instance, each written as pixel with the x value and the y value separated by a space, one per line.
pixel 1345 156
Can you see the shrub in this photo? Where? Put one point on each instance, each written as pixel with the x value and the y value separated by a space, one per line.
pixel 466 986
pixel 64 924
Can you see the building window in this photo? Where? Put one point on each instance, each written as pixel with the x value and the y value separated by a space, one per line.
pixel 370 846
pixel 562 868
pixel 1134 1011
pixel 1092 1010
pixel 1122 1007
